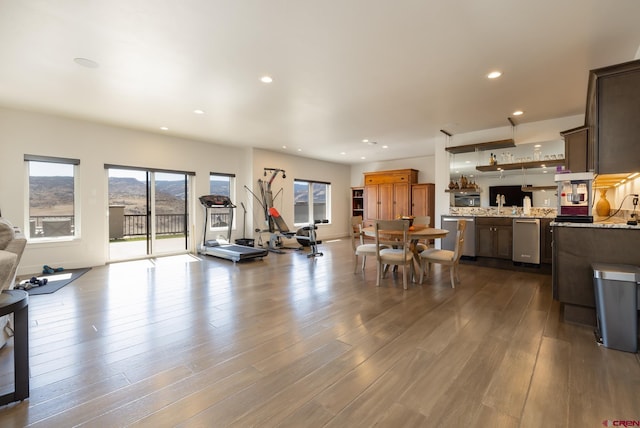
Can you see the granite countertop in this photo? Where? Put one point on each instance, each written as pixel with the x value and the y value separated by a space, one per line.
pixel 506 212
pixel 618 222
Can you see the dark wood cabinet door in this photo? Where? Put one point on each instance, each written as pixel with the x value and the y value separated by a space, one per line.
pixel 503 242
pixel 484 240
pixel 546 241
pixel 578 157
pixel 618 124
pixel 613 102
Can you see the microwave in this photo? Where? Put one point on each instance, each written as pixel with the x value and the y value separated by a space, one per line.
pixel 465 199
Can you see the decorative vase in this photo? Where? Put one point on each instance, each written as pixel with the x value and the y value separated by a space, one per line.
pixel 603 208
pixel 463 182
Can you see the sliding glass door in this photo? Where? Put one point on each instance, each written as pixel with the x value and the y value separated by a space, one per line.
pixel 148 213
pixel 170 206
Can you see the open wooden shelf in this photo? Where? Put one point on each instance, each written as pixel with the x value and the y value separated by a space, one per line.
pixel 537 188
pixel 469 190
pixel 520 165
pixel 491 145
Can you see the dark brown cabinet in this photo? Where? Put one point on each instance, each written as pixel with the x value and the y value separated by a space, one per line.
pixel 577 152
pixel 613 103
pixel 546 241
pixel 574 251
pixel 494 237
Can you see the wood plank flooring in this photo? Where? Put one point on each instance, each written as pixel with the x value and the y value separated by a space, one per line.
pixel 295 342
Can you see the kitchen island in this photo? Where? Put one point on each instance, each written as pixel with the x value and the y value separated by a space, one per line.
pixel 576 246
pixel 492 234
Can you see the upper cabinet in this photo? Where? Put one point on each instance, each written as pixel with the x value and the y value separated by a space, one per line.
pixel 578 152
pixel 613 103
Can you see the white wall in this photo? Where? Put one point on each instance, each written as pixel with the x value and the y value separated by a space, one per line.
pixel 424 165
pixel 98 144
pixel 620 196
pixel 306 169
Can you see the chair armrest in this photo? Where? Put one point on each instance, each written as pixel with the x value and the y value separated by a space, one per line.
pixel 8 265
pixel 16 246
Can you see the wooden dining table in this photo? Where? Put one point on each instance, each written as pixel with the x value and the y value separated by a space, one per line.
pixel 415 234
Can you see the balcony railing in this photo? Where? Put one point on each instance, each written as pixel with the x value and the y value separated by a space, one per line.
pixel 132 225
pixel 166 224
pixel 42 226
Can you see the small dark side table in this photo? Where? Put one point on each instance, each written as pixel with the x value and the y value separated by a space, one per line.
pixel 17 302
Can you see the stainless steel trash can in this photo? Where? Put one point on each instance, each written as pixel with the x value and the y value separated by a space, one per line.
pixel 616 291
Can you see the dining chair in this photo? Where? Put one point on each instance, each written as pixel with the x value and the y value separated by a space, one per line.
pixel 445 257
pixel 358 244
pixel 422 220
pixel 399 255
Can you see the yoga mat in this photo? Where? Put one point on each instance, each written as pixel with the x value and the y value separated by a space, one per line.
pixel 56 281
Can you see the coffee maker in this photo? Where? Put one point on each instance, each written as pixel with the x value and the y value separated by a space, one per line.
pixel 574 197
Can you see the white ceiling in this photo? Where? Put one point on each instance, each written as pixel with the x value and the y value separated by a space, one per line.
pixel 394 72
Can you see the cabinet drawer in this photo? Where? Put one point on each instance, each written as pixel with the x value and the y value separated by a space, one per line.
pixel 400 176
pixel 494 221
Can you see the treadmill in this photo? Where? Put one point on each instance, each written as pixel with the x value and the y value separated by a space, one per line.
pixel 220 204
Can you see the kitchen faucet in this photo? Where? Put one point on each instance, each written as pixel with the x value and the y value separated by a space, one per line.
pixel 500 201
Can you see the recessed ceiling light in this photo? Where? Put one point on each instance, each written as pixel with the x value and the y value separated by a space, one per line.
pixel 537 146
pixel 84 62
pixel 518 113
pixel 266 79
pixel 365 141
pixel 198 111
pixel 494 74
pixel 362 157
pixel 164 128
pixel 284 147
pixel 299 150
pixel 385 147
pixel 343 153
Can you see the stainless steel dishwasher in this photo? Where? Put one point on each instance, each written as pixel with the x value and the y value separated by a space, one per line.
pixel 526 240
pixel 450 223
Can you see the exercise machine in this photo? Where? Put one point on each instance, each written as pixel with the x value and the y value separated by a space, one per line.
pixel 306 236
pixel 277 227
pixel 221 206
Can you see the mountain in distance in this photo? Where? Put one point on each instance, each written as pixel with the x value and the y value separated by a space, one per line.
pixel 48 192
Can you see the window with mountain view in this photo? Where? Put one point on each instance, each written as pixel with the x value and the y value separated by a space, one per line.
pixel 221 184
pixel 311 201
pixel 52 212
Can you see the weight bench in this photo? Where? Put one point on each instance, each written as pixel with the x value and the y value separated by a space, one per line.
pixel 306 236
